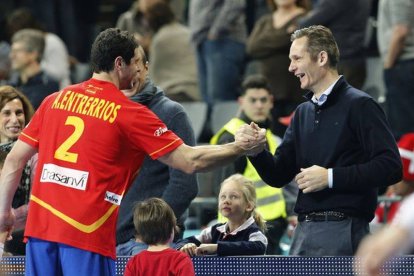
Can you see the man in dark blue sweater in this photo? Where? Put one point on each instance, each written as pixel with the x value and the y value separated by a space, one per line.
pixel 156 179
pixel 338 148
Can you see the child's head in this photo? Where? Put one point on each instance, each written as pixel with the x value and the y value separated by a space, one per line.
pixel 237 197
pixel 154 221
pixel 237 200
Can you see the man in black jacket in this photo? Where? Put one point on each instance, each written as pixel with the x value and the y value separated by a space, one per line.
pixel 338 147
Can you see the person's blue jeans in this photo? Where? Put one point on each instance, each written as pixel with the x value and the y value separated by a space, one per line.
pixel 220 69
pixel 130 248
pixel 399 81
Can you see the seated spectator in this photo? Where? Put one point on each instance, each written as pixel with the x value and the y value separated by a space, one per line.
pixel 155 224
pixel 26 54
pixel 15 112
pixel 55 60
pixel 173 66
pixel 386 211
pixel 242 234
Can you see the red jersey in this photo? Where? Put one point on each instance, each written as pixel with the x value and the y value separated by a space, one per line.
pixel 160 263
pixel 91 141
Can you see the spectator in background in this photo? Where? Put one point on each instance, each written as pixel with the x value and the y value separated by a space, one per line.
pixel 15 113
pixel 349 34
pixel 396 45
pixel 25 55
pixel 4 62
pixel 156 179
pixel 269 43
pixel 242 234
pixel 155 224
pixel 55 58
pixel 256 102
pixel 135 23
pixel 173 66
pixel 386 212
pixel 338 148
pixel 218 32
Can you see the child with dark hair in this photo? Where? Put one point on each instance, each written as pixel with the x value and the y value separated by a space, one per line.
pixel 155 224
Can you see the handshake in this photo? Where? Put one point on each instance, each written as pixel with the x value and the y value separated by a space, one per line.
pixel 251 139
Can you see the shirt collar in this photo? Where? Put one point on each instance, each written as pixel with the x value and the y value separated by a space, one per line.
pixel 322 99
pixel 246 224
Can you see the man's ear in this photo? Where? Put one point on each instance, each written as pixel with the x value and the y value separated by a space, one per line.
pixel 322 58
pixel 119 62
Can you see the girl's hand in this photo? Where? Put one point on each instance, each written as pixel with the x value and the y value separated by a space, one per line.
pixel 206 249
pixel 189 249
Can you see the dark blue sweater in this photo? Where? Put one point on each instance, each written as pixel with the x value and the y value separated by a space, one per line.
pixel 248 239
pixel 156 179
pixel 348 133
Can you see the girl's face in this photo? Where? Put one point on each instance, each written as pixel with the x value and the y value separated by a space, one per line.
pixel 12 120
pixel 232 203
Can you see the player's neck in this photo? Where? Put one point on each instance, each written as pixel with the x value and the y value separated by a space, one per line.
pixel 104 76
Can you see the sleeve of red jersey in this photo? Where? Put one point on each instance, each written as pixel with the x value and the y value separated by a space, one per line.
pixel 151 135
pixel 30 133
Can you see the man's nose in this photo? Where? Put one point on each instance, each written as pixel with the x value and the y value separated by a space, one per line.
pixel 291 67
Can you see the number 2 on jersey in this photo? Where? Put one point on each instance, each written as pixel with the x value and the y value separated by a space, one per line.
pixel 63 153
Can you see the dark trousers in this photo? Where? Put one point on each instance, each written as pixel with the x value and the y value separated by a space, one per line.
pixel 275 230
pixel 328 238
pixel 399 81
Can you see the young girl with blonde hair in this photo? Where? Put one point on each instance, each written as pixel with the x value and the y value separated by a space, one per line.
pixel 242 234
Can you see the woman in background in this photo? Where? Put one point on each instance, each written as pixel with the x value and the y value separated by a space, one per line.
pixel 15 112
pixel 269 43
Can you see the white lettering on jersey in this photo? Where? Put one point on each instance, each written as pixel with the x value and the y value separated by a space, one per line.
pixel 113 198
pixel 64 176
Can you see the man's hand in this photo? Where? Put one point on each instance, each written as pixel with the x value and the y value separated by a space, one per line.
pixel 6 225
pixel 251 138
pixel 312 179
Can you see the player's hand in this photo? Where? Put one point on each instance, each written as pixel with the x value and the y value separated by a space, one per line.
pixel 312 179
pixel 7 221
pixel 251 138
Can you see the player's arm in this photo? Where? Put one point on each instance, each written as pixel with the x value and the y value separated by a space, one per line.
pixel 9 181
pixel 203 158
